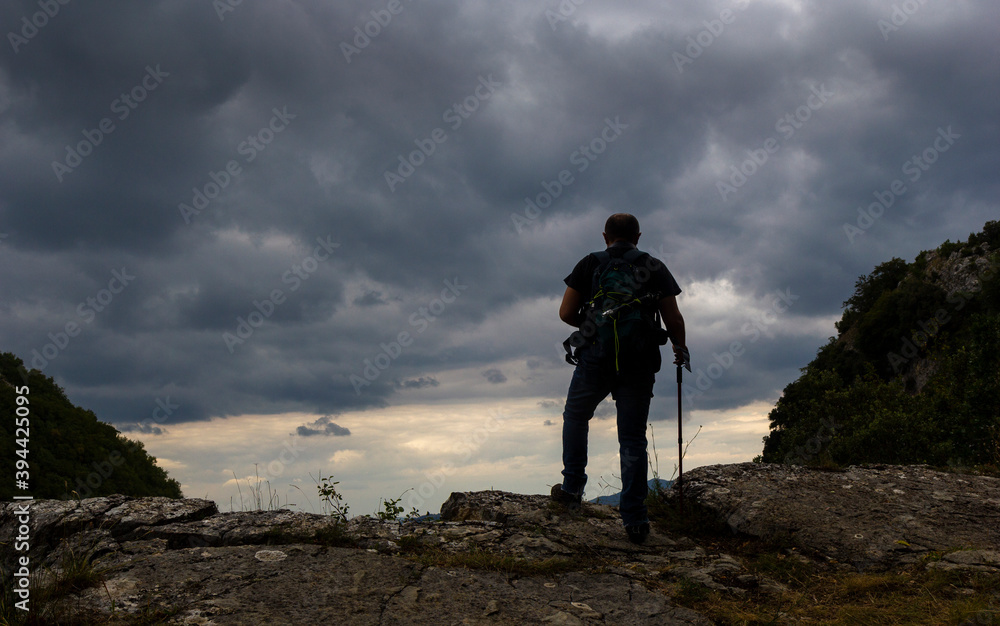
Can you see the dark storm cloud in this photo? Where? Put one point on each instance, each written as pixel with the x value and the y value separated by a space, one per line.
pixel 414 146
pixel 147 429
pixel 494 376
pixel 322 426
pixel 370 298
pixel 418 383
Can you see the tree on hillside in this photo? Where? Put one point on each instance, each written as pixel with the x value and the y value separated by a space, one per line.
pixel 70 453
pixel 913 375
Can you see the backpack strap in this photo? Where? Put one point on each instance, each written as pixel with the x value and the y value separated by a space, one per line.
pixel 603 257
pixel 633 256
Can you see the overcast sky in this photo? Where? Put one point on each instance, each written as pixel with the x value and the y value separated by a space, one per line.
pixel 341 228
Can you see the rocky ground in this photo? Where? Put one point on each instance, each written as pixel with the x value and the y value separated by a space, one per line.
pixel 873 518
pixel 496 557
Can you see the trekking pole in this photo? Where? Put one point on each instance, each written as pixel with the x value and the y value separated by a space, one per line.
pixel 680 443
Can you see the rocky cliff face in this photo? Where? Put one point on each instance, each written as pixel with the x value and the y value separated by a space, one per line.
pixel 955 273
pixel 958 276
pixel 496 557
pixel 873 518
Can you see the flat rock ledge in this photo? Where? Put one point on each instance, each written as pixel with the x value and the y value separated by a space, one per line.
pixel 496 557
pixel 516 559
pixel 876 517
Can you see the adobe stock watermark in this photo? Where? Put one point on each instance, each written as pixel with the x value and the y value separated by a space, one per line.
pixel 86 486
pixel 588 329
pixel 901 14
pixel 465 448
pixel 698 43
pixel 263 310
pixel 776 303
pixel 787 125
pixel 454 116
pixel 250 148
pixel 365 33
pixel 910 347
pixel 800 455
pixel 222 7
pixel 122 106
pixel 87 311
pixel 273 469
pixel 582 158
pixel 914 168
pixel 421 319
pixel 565 10
pixel 31 26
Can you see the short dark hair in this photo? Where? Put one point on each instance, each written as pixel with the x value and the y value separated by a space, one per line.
pixel 622 226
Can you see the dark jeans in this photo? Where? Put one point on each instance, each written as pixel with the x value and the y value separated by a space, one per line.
pixel 591 384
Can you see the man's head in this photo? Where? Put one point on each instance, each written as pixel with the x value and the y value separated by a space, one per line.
pixel 621 227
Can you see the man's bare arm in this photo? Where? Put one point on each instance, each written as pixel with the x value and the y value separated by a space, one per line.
pixel 674 322
pixel 569 310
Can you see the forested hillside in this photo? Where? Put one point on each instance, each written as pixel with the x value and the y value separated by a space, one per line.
pixel 70 453
pixel 913 375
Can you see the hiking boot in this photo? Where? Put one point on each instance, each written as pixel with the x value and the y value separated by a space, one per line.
pixel 638 534
pixel 565 498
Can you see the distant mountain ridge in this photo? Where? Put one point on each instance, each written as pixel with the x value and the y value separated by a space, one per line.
pixel 616 498
pixel 913 375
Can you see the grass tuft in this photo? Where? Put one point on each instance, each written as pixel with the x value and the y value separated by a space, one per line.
pixel 48 589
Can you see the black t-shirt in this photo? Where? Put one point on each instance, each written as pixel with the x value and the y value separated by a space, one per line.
pixel 660 279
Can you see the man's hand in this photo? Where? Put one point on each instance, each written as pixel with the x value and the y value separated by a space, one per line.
pixel 682 357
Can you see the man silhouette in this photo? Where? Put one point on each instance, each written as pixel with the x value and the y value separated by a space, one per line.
pixel 629 381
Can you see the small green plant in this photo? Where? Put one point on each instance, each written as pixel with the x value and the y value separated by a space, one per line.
pixel 391 509
pixel 333 500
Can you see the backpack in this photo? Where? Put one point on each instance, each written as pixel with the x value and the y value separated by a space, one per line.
pixel 623 322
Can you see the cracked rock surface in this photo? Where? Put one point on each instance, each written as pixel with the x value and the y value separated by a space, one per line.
pixel 187 563
pixel 497 557
pixel 872 518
